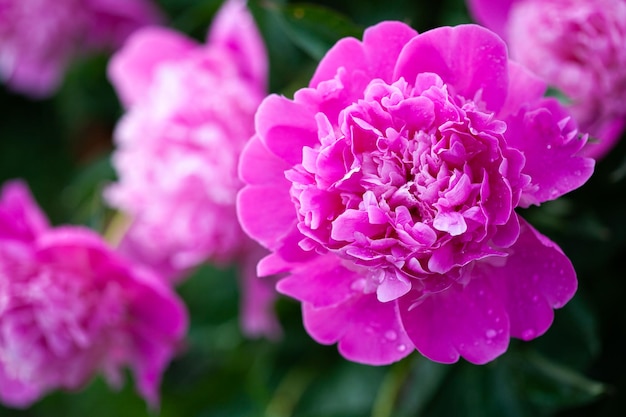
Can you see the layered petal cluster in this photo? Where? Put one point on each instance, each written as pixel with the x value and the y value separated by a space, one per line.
pixel 39 38
pixel 386 193
pixel 577 46
pixel 190 111
pixel 70 307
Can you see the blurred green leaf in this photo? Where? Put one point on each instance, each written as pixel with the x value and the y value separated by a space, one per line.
pixel 314 28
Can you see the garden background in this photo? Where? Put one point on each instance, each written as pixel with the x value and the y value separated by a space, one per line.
pixel 61 147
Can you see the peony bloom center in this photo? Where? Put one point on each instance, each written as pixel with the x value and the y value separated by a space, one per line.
pixel 410 183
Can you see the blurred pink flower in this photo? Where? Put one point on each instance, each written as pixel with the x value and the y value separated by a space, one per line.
pixel 577 46
pixel 386 194
pixel 190 111
pixel 71 307
pixel 39 38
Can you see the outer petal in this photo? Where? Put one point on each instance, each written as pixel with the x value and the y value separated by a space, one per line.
pixel 347 53
pixel 17 394
pixel 159 322
pixel 491 13
pixel 233 28
pixel 383 44
pixel 537 278
pixel 131 69
pixel 367 330
pixel 469 58
pixel 285 127
pixel 609 133
pixel 112 21
pixel 524 88
pixel 20 217
pixel 267 220
pixel 321 282
pixel 259 166
pixel 468 321
pixel 538 132
pixel 258 295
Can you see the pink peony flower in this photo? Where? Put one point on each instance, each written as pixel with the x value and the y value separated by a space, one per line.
pixel 386 194
pixel 70 307
pixel 577 46
pixel 39 38
pixel 190 112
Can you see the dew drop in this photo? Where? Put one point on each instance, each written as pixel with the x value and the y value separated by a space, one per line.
pixel 391 335
pixel 549 146
pixel 490 312
pixel 401 348
pixel 528 334
pixel 491 333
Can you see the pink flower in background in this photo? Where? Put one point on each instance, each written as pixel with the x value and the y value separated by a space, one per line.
pixel 386 194
pixel 190 111
pixel 71 307
pixel 39 38
pixel 577 46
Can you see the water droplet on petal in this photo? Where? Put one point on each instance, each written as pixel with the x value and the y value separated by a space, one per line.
pixel 491 333
pixel 401 348
pixel 528 334
pixel 391 335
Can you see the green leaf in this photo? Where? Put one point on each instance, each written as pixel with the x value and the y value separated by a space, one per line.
pixel 315 28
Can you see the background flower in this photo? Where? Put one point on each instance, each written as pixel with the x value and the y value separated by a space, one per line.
pixel 70 307
pixel 577 46
pixel 386 192
pixel 190 112
pixel 39 38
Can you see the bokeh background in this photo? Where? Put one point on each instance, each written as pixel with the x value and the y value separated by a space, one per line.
pixel 61 147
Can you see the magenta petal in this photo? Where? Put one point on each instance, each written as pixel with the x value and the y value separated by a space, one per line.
pixel 233 28
pixel 265 219
pixel 159 322
pixel 285 127
pixel 259 166
pixel 538 134
pixel 524 88
pixel 468 321
pixel 367 330
pixel 15 393
pixel 347 53
pixel 492 14
pixel 383 43
pixel 20 216
pixel 537 278
pixel 132 68
pixel 469 58
pixel 320 283
pixel 257 317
